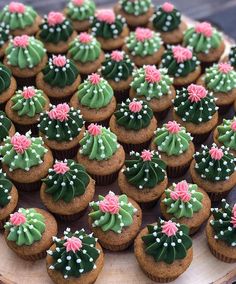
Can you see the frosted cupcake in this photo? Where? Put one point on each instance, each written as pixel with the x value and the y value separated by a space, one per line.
pixel 6 127
pixel 4 37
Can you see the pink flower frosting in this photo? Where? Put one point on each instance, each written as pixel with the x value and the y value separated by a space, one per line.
pixel 135 106
pixel 17 219
pixel 117 55
pixel 21 41
pixel 55 18
pixel 181 191
pixel 60 112
pixel 85 37
pixel 78 2
pixel 106 15
pixel 167 7
pixel 20 143
pixel 196 93
pixel 73 244
pixel 59 60
pixel 152 74
pixel 16 7
pixel 181 53
pixel 28 92
pixel 60 168
pixel 146 155
pixel 225 68
pixel 216 153
pixel 204 28
pixel 233 125
pixel 173 127
pixel 94 78
pixel 110 204
pixel 233 218
pixel 142 34
pixel 169 228
pixel 94 129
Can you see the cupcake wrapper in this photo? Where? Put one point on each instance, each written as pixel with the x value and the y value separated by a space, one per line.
pixel 224 109
pixel 116 247
pixel 71 217
pixel 121 95
pixel 103 123
pixel 198 139
pixel 135 147
pixel 158 279
pixel 148 205
pixel 161 115
pixel 22 82
pixel 105 180
pixel 25 128
pixel 221 257
pixel 216 196
pixel 177 171
pixel 28 186
pixel 33 257
pixel 65 154
pixel 56 101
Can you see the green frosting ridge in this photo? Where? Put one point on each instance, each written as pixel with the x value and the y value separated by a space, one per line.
pixel 135 7
pixel 232 56
pixel 5 190
pixel 5 125
pixel 4 33
pixel 81 12
pixel 227 133
pixel 5 78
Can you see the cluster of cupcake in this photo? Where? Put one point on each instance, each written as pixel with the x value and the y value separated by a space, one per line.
pixel 84 96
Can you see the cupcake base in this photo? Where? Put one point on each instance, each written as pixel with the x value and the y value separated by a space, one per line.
pixel 65 154
pixel 105 179
pixel 34 186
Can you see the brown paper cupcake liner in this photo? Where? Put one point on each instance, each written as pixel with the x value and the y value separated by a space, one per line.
pixel 33 257
pixel 148 205
pixel 220 256
pixel 216 196
pixel 159 279
pixel 34 186
pixel 105 180
pixel 114 247
pixel 25 82
pixel 65 154
pixel 56 101
pixel 223 109
pixel 22 129
pixel 121 95
pixel 136 147
pixel 198 139
pixel 71 217
pixel 162 114
pixel 177 171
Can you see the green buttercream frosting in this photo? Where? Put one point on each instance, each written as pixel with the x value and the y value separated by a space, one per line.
pixel 5 125
pixel 81 12
pixel 136 7
pixel 167 248
pixel 232 56
pixel 224 223
pixel 112 213
pixel 81 260
pixel 227 133
pixel 4 33
pixel 5 78
pixel 5 190
pixel 143 172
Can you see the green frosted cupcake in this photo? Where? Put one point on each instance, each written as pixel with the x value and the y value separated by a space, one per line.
pixel 4 37
pixel 6 127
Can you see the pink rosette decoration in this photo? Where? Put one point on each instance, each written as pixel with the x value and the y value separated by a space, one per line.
pixel 169 228
pixel 181 191
pixel 181 54
pixel 107 16
pixel 167 7
pixel 110 204
pixel 16 7
pixel 233 218
pixel 204 28
pixel 60 112
pixel 78 2
pixel 17 219
pixel 73 244
pixel 28 92
pixel 59 60
pixel 117 55
pixel 21 41
pixel 173 127
pixel 233 125
pixel 94 129
pixel 142 34
pixel 196 93
pixel 135 106
pixel 60 168
pixel 55 18
pixel 152 74
pixel 225 68
pixel 20 143
pixel 94 78
pixel 216 153
pixel 84 37
pixel 146 155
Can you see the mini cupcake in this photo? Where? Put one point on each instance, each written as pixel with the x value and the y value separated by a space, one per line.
pixel 6 127
pixel 4 37
pixel 195 108
pixel 144 46
pixel 181 64
pixel 25 160
pixel 59 79
pixel 95 99
pixel 24 108
pixel 109 29
pixel 61 129
pixel 8 198
pixel 221 232
pixel 67 190
pixel 115 220
pixel 100 154
pixel 133 123
pixel 213 169
pixel 187 203
pixel 167 21
pixel 153 86
pixel 86 53
pixel 29 233
pixel 175 147
pixel 21 19
pixel 232 56
pixel 75 258
pixel 143 177
pixel 164 250
pixel 80 13
pixel 56 32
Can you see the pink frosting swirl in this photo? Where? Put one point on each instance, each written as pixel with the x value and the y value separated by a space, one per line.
pixel 73 244
pixel 142 34
pixel 181 191
pixel 233 218
pixel 55 18
pixel 20 143
pixel 225 68
pixel 152 74
pixel 169 228
pixel 233 125
pixel 146 155
pixel 28 92
pixel 181 54
pixel 60 112
pixel 60 168
pixel 196 93
pixel 204 28
pixel 21 41
pixel 106 15
pixel 94 78
pixel 17 219
pixel 78 2
pixel 110 204
pixel 117 55
pixel 94 129
pixel 85 37
pixel 167 7
pixel 173 127
pixel 16 7
pixel 135 106
pixel 216 153
pixel 59 60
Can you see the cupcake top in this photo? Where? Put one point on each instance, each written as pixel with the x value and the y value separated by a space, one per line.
pixel 202 38
pixel 220 78
pixel 167 241
pixel 112 212
pixel 95 92
pixel 4 33
pixel 84 48
pixel 61 123
pixel 166 18
pixel 224 223
pixel 25 52
pixel 55 28
pixel 22 151
pixel 145 170
pixel 183 199
pixel 66 180
pixel 232 56
pixel 150 82
pixel 214 164
pixel 133 115
pixel 80 10
pixel 179 61
pixel 195 104
pixel 227 133
pixel 75 253
pixel 143 42
pixel 98 143
pixel 5 190
pixel 172 139
pixel 117 66
pixel 107 25
pixel 135 7
pixel 18 16
pixel 5 78
pixel 5 125
pixel 28 102
pixel 26 226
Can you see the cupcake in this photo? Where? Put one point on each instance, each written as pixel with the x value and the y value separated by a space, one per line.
pixel 195 108
pixel 21 19
pixel 175 147
pixel 181 64
pixel 29 233
pixel 187 203
pixel 137 13
pixel 6 127
pixel 143 177
pixel 144 46
pixel 221 232
pixel 164 250
pixel 100 154
pixel 167 21
pixel 115 220
pixel 8 198
pixel 213 169
pixel 86 53
pixel 82 257
pixel 109 29
pixel 61 129
pixel 232 56
pixel 154 86
pixel 80 13
pixel 133 123
pixel 25 160
pixel 95 99
pixel 59 79
pixel 56 32
pixel 4 37
pixel 24 108
pixel 67 190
